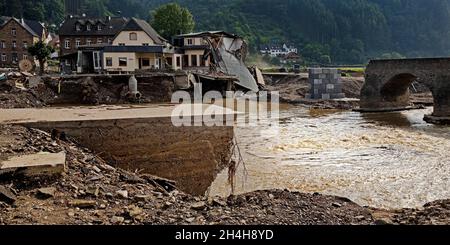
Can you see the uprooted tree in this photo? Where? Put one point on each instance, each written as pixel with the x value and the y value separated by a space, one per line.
pixel 41 51
pixel 172 19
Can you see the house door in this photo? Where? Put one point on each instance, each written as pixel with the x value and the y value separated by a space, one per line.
pixel 97 62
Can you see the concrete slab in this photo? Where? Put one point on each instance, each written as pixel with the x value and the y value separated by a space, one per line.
pixel 37 164
pixel 33 115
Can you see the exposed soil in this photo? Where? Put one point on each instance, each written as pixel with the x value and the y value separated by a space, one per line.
pixel 293 90
pixel 13 97
pixel 92 192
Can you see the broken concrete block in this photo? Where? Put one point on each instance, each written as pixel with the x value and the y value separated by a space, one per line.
pixel 45 193
pixel 37 164
pixel 6 195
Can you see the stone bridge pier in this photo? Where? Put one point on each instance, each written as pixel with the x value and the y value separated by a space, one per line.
pixel 388 81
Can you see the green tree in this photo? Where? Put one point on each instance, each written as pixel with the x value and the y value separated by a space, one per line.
pixel 41 51
pixel 172 19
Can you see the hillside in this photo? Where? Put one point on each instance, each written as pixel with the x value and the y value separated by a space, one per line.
pixel 348 32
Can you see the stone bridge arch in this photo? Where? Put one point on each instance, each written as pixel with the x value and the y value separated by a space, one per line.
pixel 387 83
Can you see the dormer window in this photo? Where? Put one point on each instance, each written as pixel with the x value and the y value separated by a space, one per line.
pixel 88 27
pixel 78 27
pixel 133 36
pixel 99 27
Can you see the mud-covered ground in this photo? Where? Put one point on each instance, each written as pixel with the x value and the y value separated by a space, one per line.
pixel 93 192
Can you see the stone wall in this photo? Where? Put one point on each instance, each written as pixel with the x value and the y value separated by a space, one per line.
pixel 325 84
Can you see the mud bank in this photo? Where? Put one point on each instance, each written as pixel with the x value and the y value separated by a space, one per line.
pixel 293 89
pixel 140 139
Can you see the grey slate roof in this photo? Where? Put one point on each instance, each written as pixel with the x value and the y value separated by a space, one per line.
pixel 110 27
pixel 141 25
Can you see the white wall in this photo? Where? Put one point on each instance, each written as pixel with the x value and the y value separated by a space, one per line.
pixel 124 37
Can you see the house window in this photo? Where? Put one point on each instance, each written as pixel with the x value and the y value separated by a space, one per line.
pixel 67 44
pixel 88 27
pixel 121 44
pixel 190 41
pixel 145 62
pixel 25 44
pixel 99 40
pixel 178 61
pixel 109 61
pixel 99 27
pixel 13 31
pixel 14 44
pixel 3 44
pixel 133 36
pixel 24 57
pixel 145 44
pixel 109 40
pixel 78 27
pixel 3 57
pixel 77 42
pixel 15 58
pixel 122 61
pixel 88 41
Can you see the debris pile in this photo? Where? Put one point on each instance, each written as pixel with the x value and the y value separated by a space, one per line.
pixel 14 92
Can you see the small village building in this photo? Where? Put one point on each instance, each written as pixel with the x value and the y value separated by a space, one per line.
pixel 275 50
pixel 78 31
pixel 137 46
pixel 16 35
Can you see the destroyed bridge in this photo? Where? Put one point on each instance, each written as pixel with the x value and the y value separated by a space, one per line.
pixel 388 81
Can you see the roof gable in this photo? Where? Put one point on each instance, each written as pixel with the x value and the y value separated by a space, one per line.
pixel 141 25
pixel 33 27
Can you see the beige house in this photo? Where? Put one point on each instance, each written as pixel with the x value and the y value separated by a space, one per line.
pixel 136 47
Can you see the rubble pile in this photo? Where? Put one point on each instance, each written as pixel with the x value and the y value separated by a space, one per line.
pixel 92 192
pixel 13 94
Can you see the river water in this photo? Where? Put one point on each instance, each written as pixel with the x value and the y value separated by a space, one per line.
pixel 384 160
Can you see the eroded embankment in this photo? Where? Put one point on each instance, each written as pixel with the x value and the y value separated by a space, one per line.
pixel 93 192
pixel 25 92
pixel 192 156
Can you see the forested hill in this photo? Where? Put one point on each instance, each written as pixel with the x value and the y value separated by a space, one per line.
pixel 348 31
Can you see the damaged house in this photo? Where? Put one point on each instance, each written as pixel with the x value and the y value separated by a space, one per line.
pixel 216 58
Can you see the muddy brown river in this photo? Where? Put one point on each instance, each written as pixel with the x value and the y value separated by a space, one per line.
pixel 384 160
